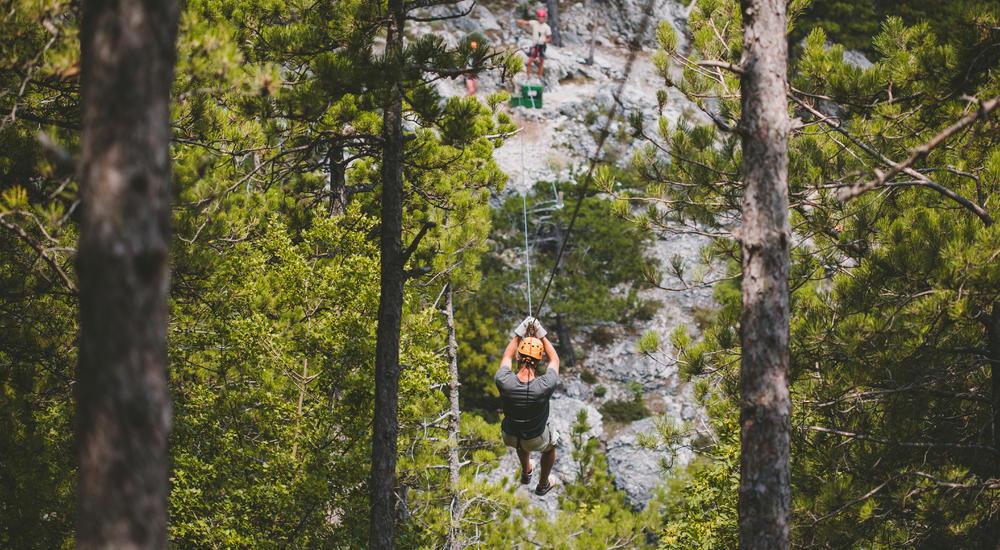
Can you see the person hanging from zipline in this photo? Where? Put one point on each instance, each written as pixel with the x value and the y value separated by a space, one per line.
pixel 541 34
pixel 525 396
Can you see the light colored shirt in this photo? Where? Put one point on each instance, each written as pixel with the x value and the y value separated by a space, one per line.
pixel 539 31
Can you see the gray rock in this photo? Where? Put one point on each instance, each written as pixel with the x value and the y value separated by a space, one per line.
pixel 637 471
pixel 562 416
pixel 633 12
pixel 857 59
pixel 573 387
pixel 485 18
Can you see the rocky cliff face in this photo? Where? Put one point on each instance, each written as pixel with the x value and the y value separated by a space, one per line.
pixel 557 141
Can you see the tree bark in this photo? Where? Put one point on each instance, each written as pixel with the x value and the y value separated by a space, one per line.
pixel 552 6
pixel 765 406
pixel 454 466
pixel 993 339
pixel 123 408
pixel 298 416
pixel 390 308
pixel 338 180
pixel 566 353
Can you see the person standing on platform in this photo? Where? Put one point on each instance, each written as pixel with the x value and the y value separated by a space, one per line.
pixel 541 35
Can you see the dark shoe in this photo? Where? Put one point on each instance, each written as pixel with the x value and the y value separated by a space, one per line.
pixel 542 490
pixel 526 476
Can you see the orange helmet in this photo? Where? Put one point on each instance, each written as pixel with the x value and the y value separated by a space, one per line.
pixel 530 347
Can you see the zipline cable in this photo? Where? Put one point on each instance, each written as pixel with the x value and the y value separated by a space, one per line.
pixel 634 47
pixel 524 213
pixel 527 251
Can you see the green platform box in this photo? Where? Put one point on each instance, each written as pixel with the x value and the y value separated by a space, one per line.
pixel 531 96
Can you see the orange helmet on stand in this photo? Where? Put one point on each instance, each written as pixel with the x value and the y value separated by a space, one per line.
pixel 531 348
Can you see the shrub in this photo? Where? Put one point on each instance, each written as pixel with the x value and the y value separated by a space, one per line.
pixel 600 391
pixel 588 376
pixel 646 309
pixel 625 410
pixel 601 336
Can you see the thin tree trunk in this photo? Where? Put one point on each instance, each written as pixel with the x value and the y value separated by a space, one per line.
pixel 390 308
pixel 454 531
pixel 338 180
pixel 593 40
pixel 553 12
pixel 566 354
pixel 765 406
pixel 123 408
pixel 298 416
pixel 993 338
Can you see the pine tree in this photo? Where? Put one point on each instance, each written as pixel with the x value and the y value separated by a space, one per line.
pixel 123 409
pixel 765 234
pixel 890 340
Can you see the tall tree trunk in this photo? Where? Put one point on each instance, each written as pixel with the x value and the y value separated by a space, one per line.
pixel 454 530
pixel 123 408
pixel 553 12
pixel 390 307
pixel 765 406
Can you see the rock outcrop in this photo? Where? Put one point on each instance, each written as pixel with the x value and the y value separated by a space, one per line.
pixel 558 141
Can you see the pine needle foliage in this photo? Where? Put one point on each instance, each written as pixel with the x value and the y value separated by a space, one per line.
pixel 894 295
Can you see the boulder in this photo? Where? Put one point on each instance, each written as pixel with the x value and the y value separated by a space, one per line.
pixel 633 12
pixel 637 470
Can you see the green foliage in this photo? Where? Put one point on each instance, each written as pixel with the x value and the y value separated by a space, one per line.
pixel 269 327
pixel 600 391
pixel 625 410
pixel 600 273
pixel 893 293
pixel 588 376
pixel 854 23
pixel 649 342
pixel 698 506
pixel 39 50
pixel 601 336
pixel 593 514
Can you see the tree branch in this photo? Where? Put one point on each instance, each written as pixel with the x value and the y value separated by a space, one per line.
pixel 922 150
pixel 408 251
pixel 851 192
pixel 911 444
pixel 42 252
pixel 731 67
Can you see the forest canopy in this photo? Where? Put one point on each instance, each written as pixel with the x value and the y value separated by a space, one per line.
pixel 347 254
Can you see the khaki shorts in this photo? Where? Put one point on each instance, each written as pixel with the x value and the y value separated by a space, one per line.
pixel 545 442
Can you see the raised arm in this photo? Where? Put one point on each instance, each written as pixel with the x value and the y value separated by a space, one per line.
pixel 550 350
pixel 508 354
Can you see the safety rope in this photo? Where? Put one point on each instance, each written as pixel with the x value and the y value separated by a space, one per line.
pixel 634 47
pixel 524 213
